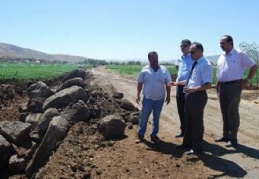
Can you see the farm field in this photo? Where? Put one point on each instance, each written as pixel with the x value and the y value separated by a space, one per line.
pixel 133 71
pixel 32 71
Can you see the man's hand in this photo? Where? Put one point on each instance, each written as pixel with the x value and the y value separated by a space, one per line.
pixel 139 88
pixel 189 90
pixel 244 83
pixel 177 83
pixel 138 99
pixel 174 83
pixel 167 100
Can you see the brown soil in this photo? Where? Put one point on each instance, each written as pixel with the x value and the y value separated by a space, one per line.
pixel 85 154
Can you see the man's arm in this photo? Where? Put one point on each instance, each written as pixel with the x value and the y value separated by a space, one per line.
pixel 168 92
pixel 139 88
pixel 177 83
pixel 205 86
pixel 252 72
pixel 217 87
pixel 177 67
pixel 249 76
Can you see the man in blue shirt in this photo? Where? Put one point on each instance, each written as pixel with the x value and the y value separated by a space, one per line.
pixel 183 66
pixel 155 79
pixel 199 80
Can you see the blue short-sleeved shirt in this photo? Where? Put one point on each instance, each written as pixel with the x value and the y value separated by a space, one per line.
pixel 202 73
pixel 184 64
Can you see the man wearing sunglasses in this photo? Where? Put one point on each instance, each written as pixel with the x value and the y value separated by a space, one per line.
pixel 183 66
pixel 199 80
pixel 230 69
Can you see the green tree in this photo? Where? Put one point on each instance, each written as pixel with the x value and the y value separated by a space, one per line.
pixel 252 51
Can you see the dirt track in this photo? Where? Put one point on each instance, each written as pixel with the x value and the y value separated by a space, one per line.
pixel 218 161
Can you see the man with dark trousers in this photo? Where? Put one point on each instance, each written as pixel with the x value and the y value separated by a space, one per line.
pixel 183 66
pixel 230 70
pixel 199 80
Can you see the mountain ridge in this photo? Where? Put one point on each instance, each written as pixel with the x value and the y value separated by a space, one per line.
pixel 9 50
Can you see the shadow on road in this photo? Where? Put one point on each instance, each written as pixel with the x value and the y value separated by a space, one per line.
pixel 211 159
pixel 251 152
pixel 227 167
pixel 165 148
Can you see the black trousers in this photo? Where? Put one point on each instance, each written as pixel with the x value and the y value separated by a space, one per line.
pixel 194 110
pixel 229 98
pixel 180 101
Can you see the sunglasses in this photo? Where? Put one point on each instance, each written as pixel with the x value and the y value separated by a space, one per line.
pixel 183 46
pixel 192 52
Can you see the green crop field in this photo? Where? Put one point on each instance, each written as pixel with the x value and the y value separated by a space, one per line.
pixel 27 71
pixel 32 71
pixel 133 70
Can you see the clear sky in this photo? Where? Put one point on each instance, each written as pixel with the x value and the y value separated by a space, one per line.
pixel 126 29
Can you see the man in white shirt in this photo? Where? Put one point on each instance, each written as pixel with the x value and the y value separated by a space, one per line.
pixel 230 70
pixel 155 79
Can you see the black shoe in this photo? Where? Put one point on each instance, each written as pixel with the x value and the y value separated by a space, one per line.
pixel 194 152
pixel 179 135
pixel 155 139
pixel 222 139
pixel 231 143
pixel 139 139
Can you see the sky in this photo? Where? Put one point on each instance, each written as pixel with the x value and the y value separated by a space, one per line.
pixel 126 29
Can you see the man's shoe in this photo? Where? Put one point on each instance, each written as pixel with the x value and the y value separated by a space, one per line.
pixel 179 135
pixel 231 143
pixel 139 139
pixel 190 152
pixel 155 139
pixel 194 152
pixel 222 139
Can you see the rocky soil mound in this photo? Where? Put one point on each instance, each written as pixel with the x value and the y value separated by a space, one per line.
pixel 31 135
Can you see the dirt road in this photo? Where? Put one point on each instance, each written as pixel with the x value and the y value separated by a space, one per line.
pixel 218 161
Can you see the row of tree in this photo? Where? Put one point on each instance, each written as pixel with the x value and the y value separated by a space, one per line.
pixel 93 62
pixel 252 51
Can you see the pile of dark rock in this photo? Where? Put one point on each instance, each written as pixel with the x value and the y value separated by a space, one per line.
pixel 27 143
pixel 6 93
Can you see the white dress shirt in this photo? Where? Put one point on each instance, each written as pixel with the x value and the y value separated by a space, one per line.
pixel 231 66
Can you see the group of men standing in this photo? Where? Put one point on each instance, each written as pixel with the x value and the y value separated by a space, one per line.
pixel 194 77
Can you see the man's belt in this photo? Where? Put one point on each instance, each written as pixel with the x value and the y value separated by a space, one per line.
pixel 230 82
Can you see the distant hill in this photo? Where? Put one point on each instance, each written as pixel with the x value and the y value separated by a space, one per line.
pixel 8 50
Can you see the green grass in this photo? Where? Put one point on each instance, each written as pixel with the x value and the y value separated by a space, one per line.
pixel 133 70
pixel 27 71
